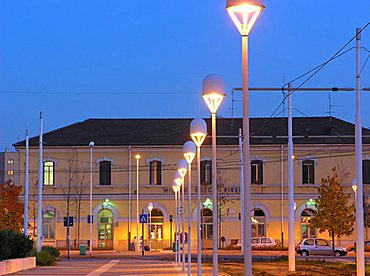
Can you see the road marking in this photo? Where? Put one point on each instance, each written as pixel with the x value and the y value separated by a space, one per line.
pixel 103 268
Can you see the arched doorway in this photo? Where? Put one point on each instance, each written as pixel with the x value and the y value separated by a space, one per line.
pixel 258 223
pixel 156 228
pixel 48 227
pixel 105 229
pixel 207 228
pixel 306 230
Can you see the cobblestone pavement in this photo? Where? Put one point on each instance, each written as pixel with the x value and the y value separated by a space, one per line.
pixel 112 263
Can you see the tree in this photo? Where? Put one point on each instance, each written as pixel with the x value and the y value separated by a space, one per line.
pixel 11 209
pixel 334 213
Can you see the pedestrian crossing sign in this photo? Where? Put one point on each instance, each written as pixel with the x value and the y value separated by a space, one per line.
pixel 143 218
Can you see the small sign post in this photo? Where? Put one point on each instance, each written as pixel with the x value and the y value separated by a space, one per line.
pixel 143 220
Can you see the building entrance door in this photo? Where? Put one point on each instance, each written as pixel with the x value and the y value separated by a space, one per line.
pixel 105 229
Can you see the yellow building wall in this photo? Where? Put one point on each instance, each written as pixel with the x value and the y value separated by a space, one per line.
pixel 267 196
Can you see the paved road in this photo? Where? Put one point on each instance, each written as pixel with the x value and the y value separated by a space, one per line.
pixel 125 266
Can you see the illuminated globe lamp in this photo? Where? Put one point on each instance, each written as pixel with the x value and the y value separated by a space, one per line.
pixel 244 13
pixel 182 167
pixel 189 151
pixel 198 131
pixel 213 91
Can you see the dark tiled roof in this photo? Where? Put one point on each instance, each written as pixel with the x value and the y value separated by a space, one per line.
pixel 155 132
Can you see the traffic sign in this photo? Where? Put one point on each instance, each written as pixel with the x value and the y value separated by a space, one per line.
pixel 143 218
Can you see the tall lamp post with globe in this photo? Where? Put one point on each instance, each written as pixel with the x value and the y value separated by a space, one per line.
pixel 198 132
pixel 244 14
pixel 213 94
pixel 189 151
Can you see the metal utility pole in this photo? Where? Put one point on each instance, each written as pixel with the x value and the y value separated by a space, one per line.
pixel 360 262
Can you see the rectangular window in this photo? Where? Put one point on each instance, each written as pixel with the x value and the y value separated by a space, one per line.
pixel 10 172
pixel 10 161
pixel 105 170
pixel 49 173
pixel 155 172
pixel 308 172
pixel 366 171
pixel 257 172
pixel 206 172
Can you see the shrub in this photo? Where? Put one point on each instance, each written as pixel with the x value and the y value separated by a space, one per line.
pixel 43 258
pixel 52 250
pixel 14 245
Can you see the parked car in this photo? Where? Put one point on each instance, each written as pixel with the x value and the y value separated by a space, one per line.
pixel 352 247
pixel 315 246
pixel 261 242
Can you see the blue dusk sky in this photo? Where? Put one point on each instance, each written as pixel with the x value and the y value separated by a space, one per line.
pixel 77 59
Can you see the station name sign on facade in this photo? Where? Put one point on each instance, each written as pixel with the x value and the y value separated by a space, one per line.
pixel 208 190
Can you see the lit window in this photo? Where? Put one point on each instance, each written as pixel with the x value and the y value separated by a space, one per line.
pixel 105 170
pixel 257 172
pixel 10 161
pixel 49 173
pixel 10 172
pixel 155 172
pixel 206 172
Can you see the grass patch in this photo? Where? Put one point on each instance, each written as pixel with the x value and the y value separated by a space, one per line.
pixel 280 267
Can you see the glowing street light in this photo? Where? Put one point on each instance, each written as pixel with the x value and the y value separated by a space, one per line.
pixel 189 151
pixel 213 94
pixel 198 132
pixel 244 14
pixel 182 168
pixel 150 208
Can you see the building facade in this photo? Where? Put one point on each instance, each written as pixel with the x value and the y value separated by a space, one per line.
pixel 9 167
pixel 320 143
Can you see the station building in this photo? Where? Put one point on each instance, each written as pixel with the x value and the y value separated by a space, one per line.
pixel 320 143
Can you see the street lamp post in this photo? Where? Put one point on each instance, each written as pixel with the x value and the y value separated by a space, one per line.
pixel 179 180
pixel 150 208
pixel 189 151
pixel 91 145
pixel 176 189
pixel 182 168
pixel 244 14
pixel 137 156
pixel 213 94
pixel 198 132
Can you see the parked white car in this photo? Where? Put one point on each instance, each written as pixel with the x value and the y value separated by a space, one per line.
pixel 261 242
pixel 314 246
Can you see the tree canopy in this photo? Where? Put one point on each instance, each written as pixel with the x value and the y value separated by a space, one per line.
pixel 334 213
pixel 11 209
